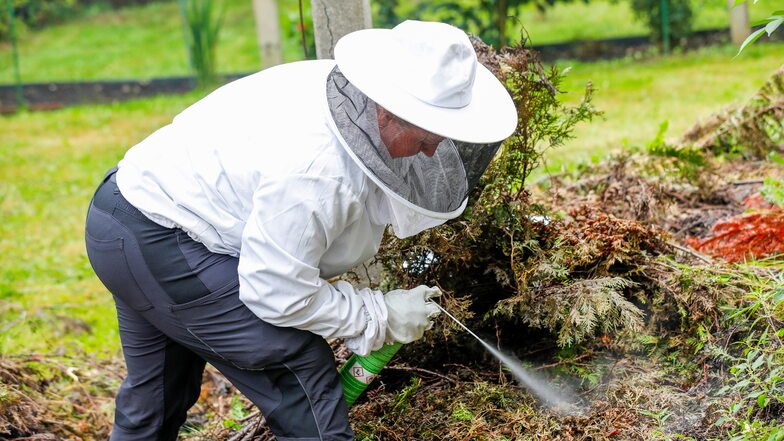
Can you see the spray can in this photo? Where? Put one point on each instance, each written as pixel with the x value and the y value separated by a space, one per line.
pixel 359 371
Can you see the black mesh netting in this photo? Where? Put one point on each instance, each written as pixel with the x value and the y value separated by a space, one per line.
pixel 439 183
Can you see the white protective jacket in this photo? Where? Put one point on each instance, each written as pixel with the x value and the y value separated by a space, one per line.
pixel 255 170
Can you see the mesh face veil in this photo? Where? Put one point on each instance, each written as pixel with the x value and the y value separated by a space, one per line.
pixel 422 191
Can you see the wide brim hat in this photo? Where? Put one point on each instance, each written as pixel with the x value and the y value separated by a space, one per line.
pixel 427 73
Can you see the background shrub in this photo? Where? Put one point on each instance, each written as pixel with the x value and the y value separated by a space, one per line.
pixel 680 19
pixel 36 13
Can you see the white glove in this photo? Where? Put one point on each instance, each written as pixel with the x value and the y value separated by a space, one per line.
pixel 409 313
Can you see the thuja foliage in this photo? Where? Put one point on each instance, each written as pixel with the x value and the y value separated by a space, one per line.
pixel 504 251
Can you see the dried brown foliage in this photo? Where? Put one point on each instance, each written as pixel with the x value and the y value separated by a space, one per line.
pixel 652 190
pixel 49 397
pixel 686 189
pixel 516 259
pixel 70 398
pixel 600 267
pixel 754 129
pixel 601 240
pixel 752 235
pixel 746 236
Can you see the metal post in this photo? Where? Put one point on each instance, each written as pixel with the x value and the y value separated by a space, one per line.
pixel 20 101
pixel 665 25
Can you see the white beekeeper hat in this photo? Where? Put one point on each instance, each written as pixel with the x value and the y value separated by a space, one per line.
pixel 427 74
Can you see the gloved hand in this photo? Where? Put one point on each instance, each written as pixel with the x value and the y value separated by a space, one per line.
pixel 409 312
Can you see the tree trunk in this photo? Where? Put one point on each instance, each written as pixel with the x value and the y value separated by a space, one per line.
pixel 739 22
pixel 268 32
pixel 333 19
pixel 502 10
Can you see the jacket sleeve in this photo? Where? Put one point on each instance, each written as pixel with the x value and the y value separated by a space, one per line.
pixel 293 221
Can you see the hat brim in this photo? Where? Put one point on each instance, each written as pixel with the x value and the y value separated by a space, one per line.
pixel 363 57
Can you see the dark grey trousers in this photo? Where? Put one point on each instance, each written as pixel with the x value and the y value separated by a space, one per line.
pixel 178 307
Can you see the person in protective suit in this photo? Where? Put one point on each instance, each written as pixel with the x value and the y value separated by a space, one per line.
pixel 216 234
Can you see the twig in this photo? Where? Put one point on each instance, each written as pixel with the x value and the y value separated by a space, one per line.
pixel 249 416
pixel 535 351
pixel 676 196
pixel 222 385
pixel 692 252
pixel 688 226
pixel 579 357
pixel 498 346
pixel 749 181
pixel 12 324
pixel 244 431
pixel 390 432
pixel 425 371
pixel 367 273
pixel 70 372
pixel 475 373
pixel 666 265
pixel 431 386
pixel 248 436
pixel 38 437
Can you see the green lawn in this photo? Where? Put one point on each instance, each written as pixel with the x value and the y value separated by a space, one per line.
pixel 579 20
pixel 147 41
pixel 637 96
pixel 139 42
pixel 50 163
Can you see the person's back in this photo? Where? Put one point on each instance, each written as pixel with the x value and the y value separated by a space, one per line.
pixel 201 171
